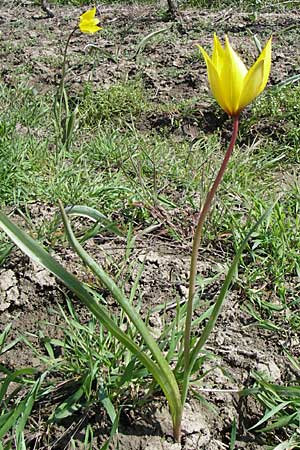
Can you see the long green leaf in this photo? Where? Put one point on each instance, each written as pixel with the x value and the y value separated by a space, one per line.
pixel 107 403
pixel 165 378
pixel 13 377
pixel 169 386
pixel 32 249
pixel 141 45
pixel 271 413
pixel 113 431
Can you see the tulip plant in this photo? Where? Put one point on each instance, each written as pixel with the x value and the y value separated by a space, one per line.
pixel 233 87
pixel 88 24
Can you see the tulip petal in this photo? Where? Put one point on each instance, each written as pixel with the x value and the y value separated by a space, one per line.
pixel 88 28
pixel 231 83
pixel 88 22
pixel 266 57
pixel 88 15
pixel 257 77
pixel 214 81
pixel 218 54
pixel 232 78
pixel 238 64
pixel 252 84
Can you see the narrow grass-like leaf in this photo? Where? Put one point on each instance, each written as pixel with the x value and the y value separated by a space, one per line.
pixel 13 377
pixel 106 402
pixel 281 422
pixel 113 431
pixel 169 385
pixel 17 418
pixel 257 44
pixel 289 80
pixel 28 405
pixel 4 252
pixel 232 435
pixel 270 413
pixel 68 407
pixel 142 44
pixel 3 336
pixel 88 438
pixel 40 256
pixel 291 444
pixel 96 216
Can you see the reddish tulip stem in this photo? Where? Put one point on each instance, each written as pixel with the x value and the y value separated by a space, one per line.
pixel 196 245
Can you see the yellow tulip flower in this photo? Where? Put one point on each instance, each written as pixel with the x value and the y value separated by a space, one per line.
pixel 232 85
pixel 88 23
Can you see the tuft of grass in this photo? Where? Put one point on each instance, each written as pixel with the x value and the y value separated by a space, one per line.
pixel 86 371
pixel 281 404
pixel 119 104
pixel 5 249
pixel 18 392
pixel 277 114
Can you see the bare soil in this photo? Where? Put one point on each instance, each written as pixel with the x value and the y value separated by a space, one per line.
pixel 30 45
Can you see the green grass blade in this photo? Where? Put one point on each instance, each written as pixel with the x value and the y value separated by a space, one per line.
pixel 28 405
pixel 106 402
pixel 291 444
pixel 270 413
pixel 32 249
pixel 142 44
pixel 282 422
pixel 4 252
pixel 113 431
pixel 11 418
pixel 40 256
pixel 68 407
pixel 13 377
pixel 233 435
pixel 3 336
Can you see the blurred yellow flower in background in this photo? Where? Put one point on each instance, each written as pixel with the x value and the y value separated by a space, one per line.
pixel 88 23
pixel 232 85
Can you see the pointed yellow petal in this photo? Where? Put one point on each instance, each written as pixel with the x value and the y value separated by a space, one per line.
pixel 88 15
pixel 88 22
pixel 257 77
pixel 252 84
pixel 231 83
pixel 218 54
pixel 266 57
pixel 214 81
pixel 232 78
pixel 240 67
